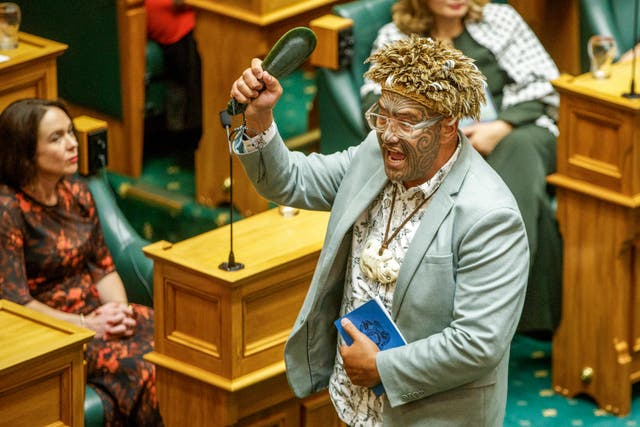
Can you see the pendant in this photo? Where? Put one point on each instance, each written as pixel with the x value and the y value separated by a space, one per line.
pixel 380 267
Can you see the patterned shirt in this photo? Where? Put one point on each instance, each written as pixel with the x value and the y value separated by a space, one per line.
pixel 54 254
pixel 518 52
pixel 358 406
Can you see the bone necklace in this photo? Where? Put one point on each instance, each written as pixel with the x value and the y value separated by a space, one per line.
pixel 376 260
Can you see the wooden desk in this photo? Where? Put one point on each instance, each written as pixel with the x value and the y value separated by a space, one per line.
pixel 42 377
pixel 30 71
pixel 219 336
pixel 229 34
pixel 596 349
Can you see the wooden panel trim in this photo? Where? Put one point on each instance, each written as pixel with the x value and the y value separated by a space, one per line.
pixel 259 19
pixel 208 377
pixel 594 191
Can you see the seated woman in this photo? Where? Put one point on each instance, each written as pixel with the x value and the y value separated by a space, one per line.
pixel 519 141
pixel 54 259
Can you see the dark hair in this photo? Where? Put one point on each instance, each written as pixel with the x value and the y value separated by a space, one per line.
pixel 19 125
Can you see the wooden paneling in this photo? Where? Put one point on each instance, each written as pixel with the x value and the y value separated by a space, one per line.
pixel 557 25
pixel 318 412
pixel 220 336
pixel 42 376
pixel 30 70
pixel 595 349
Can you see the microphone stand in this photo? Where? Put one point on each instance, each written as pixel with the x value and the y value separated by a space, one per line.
pixel 632 92
pixel 231 264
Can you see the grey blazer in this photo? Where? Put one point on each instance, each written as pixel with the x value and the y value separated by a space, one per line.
pixel 458 296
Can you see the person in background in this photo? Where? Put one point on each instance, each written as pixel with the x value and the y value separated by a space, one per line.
pixel 170 23
pixel 519 139
pixel 54 259
pixel 418 220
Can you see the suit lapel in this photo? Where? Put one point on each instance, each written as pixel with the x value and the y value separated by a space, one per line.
pixel 349 211
pixel 345 214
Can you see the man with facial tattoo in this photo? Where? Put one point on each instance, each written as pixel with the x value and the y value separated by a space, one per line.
pixel 419 220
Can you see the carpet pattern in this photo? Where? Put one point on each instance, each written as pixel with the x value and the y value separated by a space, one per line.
pixel 531 401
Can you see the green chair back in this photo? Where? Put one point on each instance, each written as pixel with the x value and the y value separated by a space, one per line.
pixel 89 71
pixel 368 16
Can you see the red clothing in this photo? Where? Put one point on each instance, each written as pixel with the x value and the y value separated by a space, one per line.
pixel 56 255
pixel 167 24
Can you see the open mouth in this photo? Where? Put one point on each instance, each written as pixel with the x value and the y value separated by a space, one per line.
pixel 395 157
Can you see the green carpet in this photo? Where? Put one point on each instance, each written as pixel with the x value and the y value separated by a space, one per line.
pixel 531 401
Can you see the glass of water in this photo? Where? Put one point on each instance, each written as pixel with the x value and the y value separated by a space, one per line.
pixel 9 25
pixel 602 50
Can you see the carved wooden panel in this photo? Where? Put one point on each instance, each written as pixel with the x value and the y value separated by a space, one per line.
pixel 596 144
pixel 268 315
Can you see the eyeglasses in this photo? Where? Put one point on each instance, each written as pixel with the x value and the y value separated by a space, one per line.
pixel 379 123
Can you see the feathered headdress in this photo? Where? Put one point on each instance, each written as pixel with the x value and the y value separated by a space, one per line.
pixel 431 73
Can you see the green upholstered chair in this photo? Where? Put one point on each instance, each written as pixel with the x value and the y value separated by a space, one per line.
pixel 89 71
pixel 133 266
pixel 125 244
pixel 606 17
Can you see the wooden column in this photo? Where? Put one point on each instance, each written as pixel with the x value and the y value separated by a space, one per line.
pixel 557 25
pixel 596 347
pixel 125 154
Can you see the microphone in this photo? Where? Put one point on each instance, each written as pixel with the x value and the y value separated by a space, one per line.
pixel 289 52
pixel 231 264
pixel 632 91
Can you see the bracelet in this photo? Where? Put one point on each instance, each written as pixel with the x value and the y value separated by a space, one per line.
pixel 82 320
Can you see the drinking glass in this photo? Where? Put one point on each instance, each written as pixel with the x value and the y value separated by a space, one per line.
pixel 602 50
pixel 9 25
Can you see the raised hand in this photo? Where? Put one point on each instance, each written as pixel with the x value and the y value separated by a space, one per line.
pixel 257 87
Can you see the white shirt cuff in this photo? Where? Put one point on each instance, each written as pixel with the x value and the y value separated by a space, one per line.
pixel 260 140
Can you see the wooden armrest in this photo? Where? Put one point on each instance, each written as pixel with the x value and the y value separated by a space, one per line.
pixel 334 49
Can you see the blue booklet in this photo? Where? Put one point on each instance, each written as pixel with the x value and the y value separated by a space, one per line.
pixel 372 319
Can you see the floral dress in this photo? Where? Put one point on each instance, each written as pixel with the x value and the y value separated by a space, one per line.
pixel 56 255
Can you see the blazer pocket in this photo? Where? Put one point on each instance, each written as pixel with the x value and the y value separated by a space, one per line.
pixel 446 259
